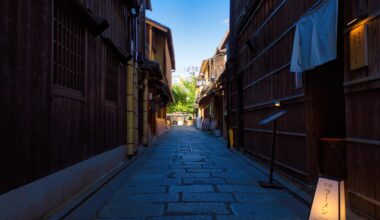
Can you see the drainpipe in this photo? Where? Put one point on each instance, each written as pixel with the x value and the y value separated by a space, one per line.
pixel 145 110
pixel 130 110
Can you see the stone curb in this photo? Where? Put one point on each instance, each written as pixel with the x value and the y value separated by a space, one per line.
pixel 79 199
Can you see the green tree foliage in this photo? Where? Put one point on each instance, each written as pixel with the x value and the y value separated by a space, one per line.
pixel 184 95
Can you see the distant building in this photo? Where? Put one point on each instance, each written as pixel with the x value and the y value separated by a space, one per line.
pixel 210 94
pixel 186 74
pixel 160 54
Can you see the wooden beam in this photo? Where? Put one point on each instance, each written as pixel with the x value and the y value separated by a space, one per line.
pixel 270 103
pixel 267 76
pixel 285 133
pixel 365 198
pixel 363 141
pixel 362 80
pixel 263 24
pixel 156 25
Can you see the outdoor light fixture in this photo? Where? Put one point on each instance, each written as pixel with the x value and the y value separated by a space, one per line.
pixel 200 82
pixel 352 21
pixel 272 119
pixel 329 200
pixel 134 7
pixel 133 12
pixel 356 20
pixel 277 104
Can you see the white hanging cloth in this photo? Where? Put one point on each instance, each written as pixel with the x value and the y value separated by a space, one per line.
pixel 315 39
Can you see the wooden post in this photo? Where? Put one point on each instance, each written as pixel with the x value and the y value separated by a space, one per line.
pixel 135 108
pixel 271 184
pixel 240 113
pixel 130 110
pixel 272 118
pixel 228 94
pixel 273 150
pixel 145 111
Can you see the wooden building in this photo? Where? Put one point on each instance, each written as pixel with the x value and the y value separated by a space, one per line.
pixel 210 92
pixel 362 98
pixel 203 82
pixel 332 126
pixel 261 51
pixel 159 64
pixel 63 96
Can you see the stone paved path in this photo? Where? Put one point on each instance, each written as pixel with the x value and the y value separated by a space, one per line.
pixel 192 175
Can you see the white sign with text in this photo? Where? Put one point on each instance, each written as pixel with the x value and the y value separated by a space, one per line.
pixel 329 201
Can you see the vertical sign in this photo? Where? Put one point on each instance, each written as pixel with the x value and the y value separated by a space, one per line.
pixel 329 201
pixel 359 47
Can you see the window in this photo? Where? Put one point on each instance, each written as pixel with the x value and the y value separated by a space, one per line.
pixel 298 80
pixel 69 41
pixel 112 76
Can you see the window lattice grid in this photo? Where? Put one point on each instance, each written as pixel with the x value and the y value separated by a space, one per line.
pixel 69 40
pixel 112 77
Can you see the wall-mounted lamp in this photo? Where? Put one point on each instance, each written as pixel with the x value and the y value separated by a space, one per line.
pixel 352 21
pixel 200 82
pixel 134 7
pixel 277 104
pixel 356 20
pixel 133 12
pixel 329 200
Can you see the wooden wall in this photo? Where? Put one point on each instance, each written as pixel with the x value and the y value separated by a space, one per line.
pixel 25 68
pixel 333 102
pixel 262 76
pixel 45 126
pixel 362 92
pixel 265 77
pixel 159 49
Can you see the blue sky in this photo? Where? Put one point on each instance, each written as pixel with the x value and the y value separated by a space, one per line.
pixel 198 26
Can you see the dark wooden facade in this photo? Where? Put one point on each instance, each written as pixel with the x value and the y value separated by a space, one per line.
pixel 261 76
pixel 210 93
pixel 362 96
pixel 330 105
pixel 62 89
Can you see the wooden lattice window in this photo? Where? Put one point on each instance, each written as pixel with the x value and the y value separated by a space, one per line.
pixel 69 49
pixel 112 76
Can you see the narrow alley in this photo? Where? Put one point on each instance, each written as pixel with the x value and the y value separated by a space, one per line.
pixel 214 109
pixel 189 174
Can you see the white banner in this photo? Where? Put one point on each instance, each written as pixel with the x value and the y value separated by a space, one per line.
pixel 315 39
